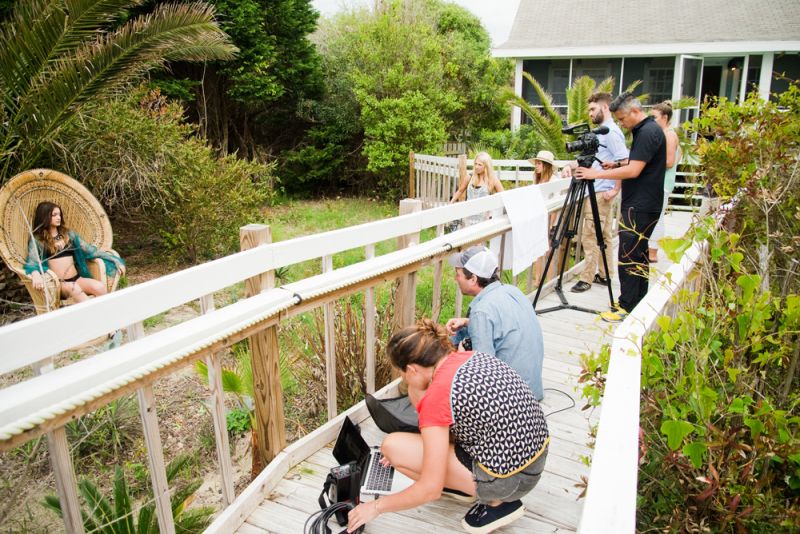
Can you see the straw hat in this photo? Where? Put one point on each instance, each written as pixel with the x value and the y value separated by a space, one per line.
pixel 544 156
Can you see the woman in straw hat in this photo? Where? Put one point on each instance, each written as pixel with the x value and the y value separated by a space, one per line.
pixel 545 169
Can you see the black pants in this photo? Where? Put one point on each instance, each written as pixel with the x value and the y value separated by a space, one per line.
pixel 634 264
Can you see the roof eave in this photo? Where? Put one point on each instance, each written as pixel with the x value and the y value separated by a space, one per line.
pixel 653 49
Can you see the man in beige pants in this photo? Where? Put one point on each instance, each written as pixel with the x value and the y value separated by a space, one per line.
pixel 612 153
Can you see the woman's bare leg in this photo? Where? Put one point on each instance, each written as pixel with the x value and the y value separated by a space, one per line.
pixel 90 286
pixel 404 452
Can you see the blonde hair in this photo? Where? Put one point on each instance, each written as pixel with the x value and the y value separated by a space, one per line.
pixel 488 169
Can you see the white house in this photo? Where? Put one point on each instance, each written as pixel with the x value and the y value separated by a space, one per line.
pixel 677 48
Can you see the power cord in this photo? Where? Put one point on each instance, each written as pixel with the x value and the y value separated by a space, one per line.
pixel 317 523
pixel 567 395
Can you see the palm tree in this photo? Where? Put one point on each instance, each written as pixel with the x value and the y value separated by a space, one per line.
pixel 58 55
pixel 102 516
pixel 547 122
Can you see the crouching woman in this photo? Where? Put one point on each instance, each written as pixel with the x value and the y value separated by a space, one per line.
pixel 500 434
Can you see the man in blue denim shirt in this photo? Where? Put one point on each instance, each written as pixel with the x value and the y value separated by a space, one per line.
pixel 500 320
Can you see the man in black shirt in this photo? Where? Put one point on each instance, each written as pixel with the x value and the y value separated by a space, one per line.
pixel 642 197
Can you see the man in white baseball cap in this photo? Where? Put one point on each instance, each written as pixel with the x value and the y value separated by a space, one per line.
pixel 500 320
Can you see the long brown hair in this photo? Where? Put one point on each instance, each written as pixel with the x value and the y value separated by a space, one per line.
pixel 424 344
pixel 41 225
pixel 547 173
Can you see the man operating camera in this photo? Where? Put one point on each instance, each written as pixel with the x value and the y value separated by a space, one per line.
pixel 642 197
pixel 611 153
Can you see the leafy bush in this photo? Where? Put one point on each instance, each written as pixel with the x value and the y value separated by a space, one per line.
pixel 117 517
pixel 141 159
pixel 721 430
pixel 522 144
pixel 404 77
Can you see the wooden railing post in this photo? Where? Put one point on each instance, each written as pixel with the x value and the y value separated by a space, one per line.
pixel 329 314
pixel 270 431
pixel 405 299
pixel 155 451
pixel 61 461
pixel 411 189
pixel 217 409
pixel 369 325
pixel 436 298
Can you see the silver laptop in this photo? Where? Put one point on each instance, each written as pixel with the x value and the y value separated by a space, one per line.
pixel 376 479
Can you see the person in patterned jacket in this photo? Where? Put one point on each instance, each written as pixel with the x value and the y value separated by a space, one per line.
pixel 500 436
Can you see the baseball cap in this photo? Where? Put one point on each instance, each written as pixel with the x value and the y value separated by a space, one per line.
pixel 478 260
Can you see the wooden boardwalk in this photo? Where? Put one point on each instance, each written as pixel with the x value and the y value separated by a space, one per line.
pixel 554 505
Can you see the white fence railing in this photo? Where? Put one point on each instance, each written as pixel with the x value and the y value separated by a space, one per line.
pixel 434 179
pixel 47 401
pixel 610 504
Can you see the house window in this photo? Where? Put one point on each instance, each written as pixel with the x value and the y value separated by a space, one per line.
pixel 658 83
pixel 559 81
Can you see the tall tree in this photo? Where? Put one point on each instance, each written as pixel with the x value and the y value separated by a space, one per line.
pixel 406 76
pixel 58 55
pixel 252 103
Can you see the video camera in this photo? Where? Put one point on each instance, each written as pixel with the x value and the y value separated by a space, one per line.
pixel 587 143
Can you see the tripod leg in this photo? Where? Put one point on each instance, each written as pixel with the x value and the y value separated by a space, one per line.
pixel 559 231
pixel 601 243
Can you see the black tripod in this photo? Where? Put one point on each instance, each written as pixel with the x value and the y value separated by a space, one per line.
pixel 568 226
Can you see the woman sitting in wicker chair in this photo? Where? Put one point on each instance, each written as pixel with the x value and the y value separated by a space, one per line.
pixel 56 248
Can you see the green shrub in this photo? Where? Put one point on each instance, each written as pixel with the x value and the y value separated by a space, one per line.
pixel 142 160
pixel 116 516
pixel 522 144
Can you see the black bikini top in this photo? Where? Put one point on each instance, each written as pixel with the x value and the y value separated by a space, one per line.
pixel 64 252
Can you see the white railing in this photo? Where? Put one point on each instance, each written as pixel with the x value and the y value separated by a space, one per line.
pixel 610 504
pixel 434 179
pixel 46 402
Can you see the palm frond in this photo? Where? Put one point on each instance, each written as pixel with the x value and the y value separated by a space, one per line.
pixel 123 513
pixel 99 507
pixel 578 99
pixel 40 91
pixel 606 86
pixel 545 121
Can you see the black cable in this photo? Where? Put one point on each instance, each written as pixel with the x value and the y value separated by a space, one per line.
pixel 567 395
pixel 319 519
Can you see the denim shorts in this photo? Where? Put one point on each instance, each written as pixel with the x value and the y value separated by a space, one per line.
pixel 507 489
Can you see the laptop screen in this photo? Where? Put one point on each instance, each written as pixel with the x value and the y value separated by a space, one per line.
pixel 350 446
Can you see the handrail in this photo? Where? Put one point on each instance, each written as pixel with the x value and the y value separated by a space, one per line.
pixel 67 327
pixel 610 504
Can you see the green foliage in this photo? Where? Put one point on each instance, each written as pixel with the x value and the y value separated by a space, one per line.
pixel 139 157
pixel 238 381
pixel 57 57
pixel 546 121
pixel 106 431
pixel 751 149
pixel 405 78
pixel 521 144
pixel 721 429
pixel 238 421
pixel 116 516
pixel 393 127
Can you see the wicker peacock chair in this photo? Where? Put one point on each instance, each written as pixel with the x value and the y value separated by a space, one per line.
pixel 84 214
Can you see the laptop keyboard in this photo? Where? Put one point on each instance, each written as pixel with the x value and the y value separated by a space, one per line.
pixel 380 476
